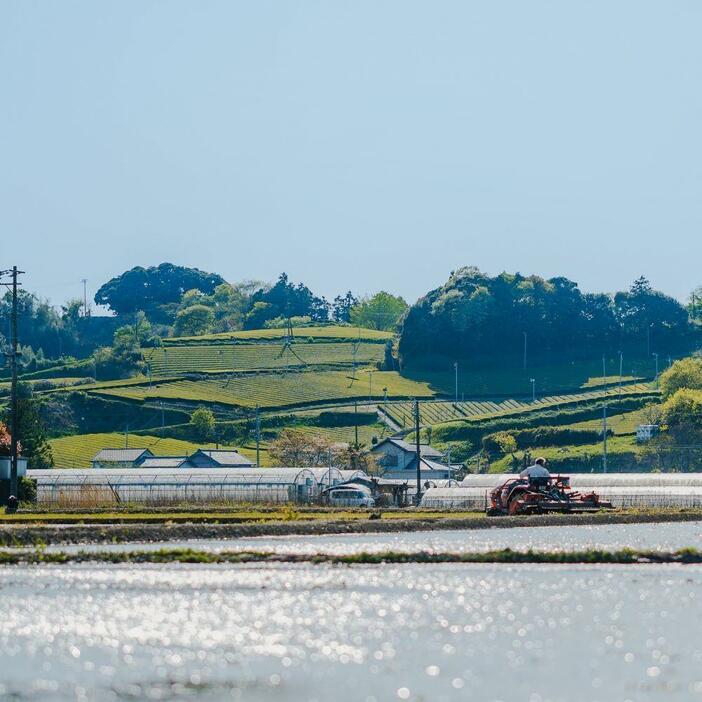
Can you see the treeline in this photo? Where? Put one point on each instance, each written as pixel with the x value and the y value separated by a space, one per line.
pixel 189 302
pixel 149 304
pixel 484 318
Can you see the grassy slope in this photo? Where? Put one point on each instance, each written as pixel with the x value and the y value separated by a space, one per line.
pixel 77 451
pixel 565 458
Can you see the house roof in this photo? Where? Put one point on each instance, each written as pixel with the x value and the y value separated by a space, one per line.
pixel 163 462
pixel 424 449
pixel 426 465
pixel 111 455
pixel 225 457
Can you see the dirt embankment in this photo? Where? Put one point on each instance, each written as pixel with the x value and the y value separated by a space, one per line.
pixel 34 534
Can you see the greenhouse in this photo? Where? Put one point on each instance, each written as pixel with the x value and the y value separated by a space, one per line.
pixel 162 486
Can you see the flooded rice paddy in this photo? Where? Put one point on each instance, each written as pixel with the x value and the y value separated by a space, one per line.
pixel 668 536
pixel 368 633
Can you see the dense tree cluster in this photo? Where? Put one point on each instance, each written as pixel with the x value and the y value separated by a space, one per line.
pixel 154 290
pixel 481 317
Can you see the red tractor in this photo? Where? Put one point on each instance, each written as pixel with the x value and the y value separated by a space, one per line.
pixel 521 496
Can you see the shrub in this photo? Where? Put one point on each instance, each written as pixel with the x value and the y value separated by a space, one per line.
pixel 685 373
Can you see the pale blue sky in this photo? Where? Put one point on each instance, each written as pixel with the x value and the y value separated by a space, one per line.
pixel 358 144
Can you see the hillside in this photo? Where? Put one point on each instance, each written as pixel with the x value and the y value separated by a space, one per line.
pixel 324 368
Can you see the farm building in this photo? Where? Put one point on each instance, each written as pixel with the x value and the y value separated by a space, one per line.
pixel 218 458
pixel 120 458
pixel 202 458
pixel 169 486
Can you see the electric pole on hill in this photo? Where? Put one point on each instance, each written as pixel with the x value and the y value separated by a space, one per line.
pixel 14 350
pixel 418 450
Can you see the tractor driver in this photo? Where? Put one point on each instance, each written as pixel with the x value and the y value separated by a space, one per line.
pixel 537 474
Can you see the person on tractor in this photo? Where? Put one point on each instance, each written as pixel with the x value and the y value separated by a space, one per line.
pixel 537 474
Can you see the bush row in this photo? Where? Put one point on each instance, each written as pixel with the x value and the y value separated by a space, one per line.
pixel 544 436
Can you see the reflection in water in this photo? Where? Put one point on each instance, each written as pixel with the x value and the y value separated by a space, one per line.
pixel 450 632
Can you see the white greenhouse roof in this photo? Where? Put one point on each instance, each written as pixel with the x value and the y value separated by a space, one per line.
pixel 164 476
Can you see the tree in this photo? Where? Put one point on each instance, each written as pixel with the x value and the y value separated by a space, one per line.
pixel 685 373
pixel 484 318
pixel 683 411
pixel 194 320
pixel 152 288
pixel 285 299
pixel 31 432
pixel 300 449
pixel 341 307
pixel 202 421
pixel 381 311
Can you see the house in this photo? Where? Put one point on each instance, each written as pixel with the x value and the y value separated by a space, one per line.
pixel 120 458
pixel 218 458
pixel 397 454
pixel 398 460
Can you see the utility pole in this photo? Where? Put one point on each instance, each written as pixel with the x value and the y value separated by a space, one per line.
pixel 449 462
pixel 533 389
pixel 355 422
pixel 455 368
pixel 370 385
pixel 85 297
pixel 126 436
pixel 418 450
pixel 14 351
pixel 621 369
pixel 258 436
pixel 604 369
pixel 525 350
pixel 655 355
pixel 604 437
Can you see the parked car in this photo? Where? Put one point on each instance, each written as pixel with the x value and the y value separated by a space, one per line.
pixel 351 496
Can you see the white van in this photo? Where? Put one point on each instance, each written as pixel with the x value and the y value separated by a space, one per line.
pixel 350 496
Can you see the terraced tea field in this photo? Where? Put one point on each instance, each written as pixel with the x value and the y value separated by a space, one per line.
pixel 276 390
pixel 347 334
pixel 439 412
pixel 199 358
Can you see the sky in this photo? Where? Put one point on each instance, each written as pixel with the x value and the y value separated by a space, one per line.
pixel 355 144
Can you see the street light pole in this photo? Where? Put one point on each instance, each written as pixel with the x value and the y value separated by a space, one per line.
pixel 655 355
pixel 525 350
pixel 533 389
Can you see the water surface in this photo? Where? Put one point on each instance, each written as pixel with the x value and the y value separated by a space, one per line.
pixel 371 633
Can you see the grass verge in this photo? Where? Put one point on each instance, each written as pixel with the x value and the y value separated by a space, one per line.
pixel 625 556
